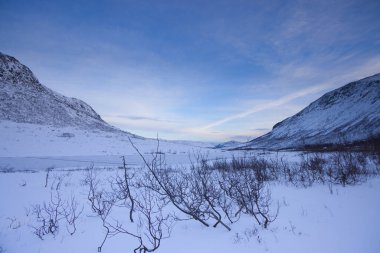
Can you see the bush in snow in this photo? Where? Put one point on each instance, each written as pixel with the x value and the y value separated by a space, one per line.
pixel 147 221
pixel 50 215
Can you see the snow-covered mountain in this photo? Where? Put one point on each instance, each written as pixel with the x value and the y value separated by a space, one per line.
pixel 349 114
pixel 24 99
pixel 36 121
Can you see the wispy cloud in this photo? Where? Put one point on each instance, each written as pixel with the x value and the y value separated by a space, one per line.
pixel 138 118
pixel 268 105
pixel 369 67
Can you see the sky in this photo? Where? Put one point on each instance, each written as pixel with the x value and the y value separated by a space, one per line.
pixel 194 70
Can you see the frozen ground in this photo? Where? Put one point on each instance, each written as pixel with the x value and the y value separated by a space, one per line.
pixel 310 220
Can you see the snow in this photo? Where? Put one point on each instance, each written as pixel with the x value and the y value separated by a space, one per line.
pixel 310 220
pixel 26 146
pixel 23 139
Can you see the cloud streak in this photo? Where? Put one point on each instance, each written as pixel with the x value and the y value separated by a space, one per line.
pixel 268 105
pixel 369 67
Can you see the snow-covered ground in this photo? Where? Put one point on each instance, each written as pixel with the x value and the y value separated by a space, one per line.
pixel 23 139
pixel 314 219
pixel 26 146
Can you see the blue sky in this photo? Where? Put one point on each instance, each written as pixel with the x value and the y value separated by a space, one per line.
pixel 199 70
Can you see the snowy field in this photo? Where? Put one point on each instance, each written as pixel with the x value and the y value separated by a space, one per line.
pixel 313 219
pixel 30 140
pixel 317 218
pixel 36 147
pixel 309 220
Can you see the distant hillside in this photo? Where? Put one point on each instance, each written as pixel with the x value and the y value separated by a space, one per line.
pixel 347 115
pixel 25 100
pixel 228 144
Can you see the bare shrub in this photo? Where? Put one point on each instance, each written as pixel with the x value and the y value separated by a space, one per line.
pixel 48 170
pixel 71 212
pixel 211 192
pixel 280 168
pixel 153 225
pixel 243 180
pixel 263 169
pixel 343 167
pixel 122 187
pixel 251 195
pixel 101 202
pixel 221 165
pixel 347 168
pixel 217 191
pixel 174 187
pixel 311 169
pixel 193 191
pixel 13 223
pixel 51 214
pixel 146 220
pixel 204 184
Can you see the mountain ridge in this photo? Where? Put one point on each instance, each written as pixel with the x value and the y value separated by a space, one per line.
pixel 346 115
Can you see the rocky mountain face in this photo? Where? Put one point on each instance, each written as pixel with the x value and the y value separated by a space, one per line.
pixel 24 99
pixel 347 115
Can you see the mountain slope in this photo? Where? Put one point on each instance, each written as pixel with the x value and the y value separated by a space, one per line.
pixel 346 115
pixel 25 100
pixel 228 144
pixel 36 121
